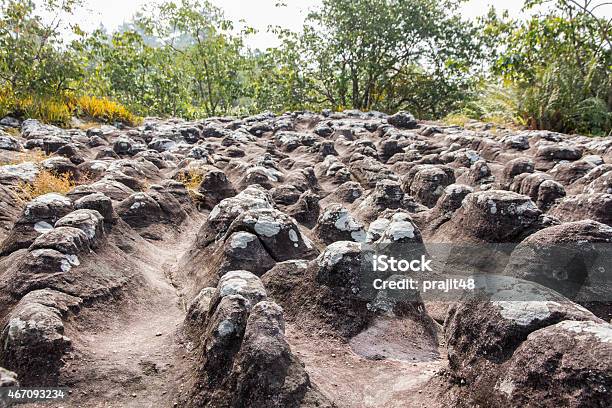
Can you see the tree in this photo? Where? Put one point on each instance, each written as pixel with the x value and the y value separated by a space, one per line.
pixel 198 33
pixel 559 61
pixel 371 53
pixel 34 59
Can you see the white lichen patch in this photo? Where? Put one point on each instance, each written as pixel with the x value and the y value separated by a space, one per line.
pixel 523 312
pixel 293 236
pixel 601 331
pixel 335 252
pixel 492 206
pixel 399 230
pixel 506 386
pixel 241 240
pixel 232 286
pixel 226 328
pixel 267 225
pixel 376 229
pixel 68 262
pixel 42 227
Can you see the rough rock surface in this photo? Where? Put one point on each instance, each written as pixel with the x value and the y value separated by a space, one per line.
pixel 227 262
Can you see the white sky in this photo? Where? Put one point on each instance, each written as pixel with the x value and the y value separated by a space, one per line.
pixel 258 14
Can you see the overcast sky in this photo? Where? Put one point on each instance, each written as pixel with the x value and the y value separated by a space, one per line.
pixel 258 14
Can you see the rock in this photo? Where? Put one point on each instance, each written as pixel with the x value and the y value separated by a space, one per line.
pixel 243 250
pixel 518 142
pixel 215 187
pixel 98 202
pixel 596 207
pixel 140 210
pixel 38 217
pixel 558 152
pixel 426 182
pixel 402 120
pixel 222 215
pixel 570 258
pixel 8 379
pixel 239 283
pixel 492 216
pixel 113 189
pixel 483 332
pixel 33 337
pixel 198 310
pixel 570 357
pixel 278 233
pixel 67 240
pixel 245 359
pixel 19 173
pixel 265 371
pixel 603 184
pixel 162 145
pixel 387 194
pixel 306 210
pixel 515 167
pixel 337 224
pixel 10 122
pixel 90 222
pixel 10 143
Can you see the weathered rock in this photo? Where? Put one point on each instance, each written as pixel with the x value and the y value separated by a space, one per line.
pixel 215 187
pixel 570 357
pixel 33 337
pixel 10 143
pixel 492 216
pixel 278 233
pixel 571 258
pixel 243 250
pixel 402 120
pixel 98 202
pixel 597 207
pixel 337 224
pixel 38 217
pixel 426 182
pixel 483 332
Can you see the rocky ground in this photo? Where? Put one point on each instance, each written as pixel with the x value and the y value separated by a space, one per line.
pixel 133 290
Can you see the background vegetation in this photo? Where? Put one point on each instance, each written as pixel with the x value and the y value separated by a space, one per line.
pixel 552 70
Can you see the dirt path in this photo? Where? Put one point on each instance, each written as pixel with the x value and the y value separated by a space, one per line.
pixel 129 352
pixel 352 381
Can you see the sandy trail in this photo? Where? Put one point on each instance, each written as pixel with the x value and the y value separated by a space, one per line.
pixel 129 351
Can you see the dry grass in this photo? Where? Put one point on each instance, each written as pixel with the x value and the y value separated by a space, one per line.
pixel 46 182
pixel 59 109
pixel 191 180
pixel 456 119
pixel 104 110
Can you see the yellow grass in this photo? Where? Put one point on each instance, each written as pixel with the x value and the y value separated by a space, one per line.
pixel 456 119
pixel 46 182
pixel 104 110
pixel 191 180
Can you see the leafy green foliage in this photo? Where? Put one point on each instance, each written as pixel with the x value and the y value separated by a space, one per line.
pixel 559 64
pixel 184 58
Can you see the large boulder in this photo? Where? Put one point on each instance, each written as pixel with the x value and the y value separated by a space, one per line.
pixel 38 217
pixel 596 206
pixel 495 216
pixel 278 233
pixel 561 365
pixel 33 338
pixel 245 359
pixel 571 258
